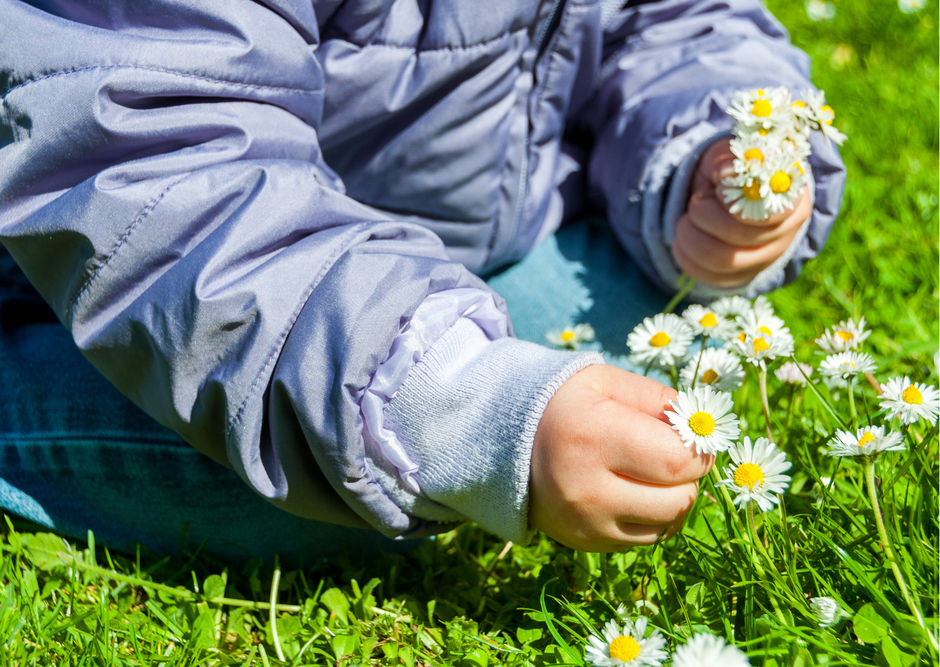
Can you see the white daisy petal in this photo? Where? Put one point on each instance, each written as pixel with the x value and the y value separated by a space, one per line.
pixel 845 336
pixel 702 417
pixel 661 340
pixel 910 401
pixel 571 337
pixel 757 473
pixel 717 368
pixel 705 321
pixel 789 373
pixel 705 650
pixel 627 646
pixel 847 365
pixel 866 441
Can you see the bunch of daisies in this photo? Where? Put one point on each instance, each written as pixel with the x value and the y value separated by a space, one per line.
pixel 771 146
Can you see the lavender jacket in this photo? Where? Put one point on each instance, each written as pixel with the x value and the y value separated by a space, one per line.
pixel 237 208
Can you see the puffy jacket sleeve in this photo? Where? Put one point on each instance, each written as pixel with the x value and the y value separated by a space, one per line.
pixel 667 74
pixel 161 184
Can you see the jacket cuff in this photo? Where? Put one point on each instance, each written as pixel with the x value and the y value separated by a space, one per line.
pixel 467 415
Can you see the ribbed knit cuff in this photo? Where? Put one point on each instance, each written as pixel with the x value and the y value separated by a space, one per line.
pixel 467 414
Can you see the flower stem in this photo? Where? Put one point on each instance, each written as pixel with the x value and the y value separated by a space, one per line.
pixel 683 290
pixel 755 541
pixel 762 379
pixel 699 362
pixel 869 471
pixel 274 584
pixel 852 402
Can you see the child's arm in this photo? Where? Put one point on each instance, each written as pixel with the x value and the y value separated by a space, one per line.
pixel 162 185
pixel 667 74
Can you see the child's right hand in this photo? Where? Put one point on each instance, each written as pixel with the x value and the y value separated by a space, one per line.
pixel 608 472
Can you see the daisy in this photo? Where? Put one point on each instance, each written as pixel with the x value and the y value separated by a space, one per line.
pixel 709 651
pixel 846 365
pixel 750 151
pixel 757 473
pixel 847 335
pixel 866 441
pixel 784 184
pixel 818 115
pixel 760 320
pixel 789 373
pixel 571 337
pixel 731 307
pixel 909 401
pixel 762 109
pixel 826 611
pixel 745 192
pixel 703 417
pixel 758 348
pixel 628 647
pixel 705 321
pixel 717 368
pixel 662 338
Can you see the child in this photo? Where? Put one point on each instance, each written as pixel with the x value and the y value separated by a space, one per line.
pixel 263 222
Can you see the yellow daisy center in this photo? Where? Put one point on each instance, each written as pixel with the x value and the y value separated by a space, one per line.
pixel 764 131
pixel 753 154
pixel 702 423
pixel 799 168
pixel 826 107
pixel 709 320
pixel 760 345
pixel 567 336
pixel 742 337
pixel 761 108
pixel 845 335
pixel 799 104
pixel 760 91
pixel 749 475
pixel 660 339
pixel 624 648
pixel 865 439
pixel 765 330
pixel 912 395
pixel 709 376
pixel 751 191
pixel 780 182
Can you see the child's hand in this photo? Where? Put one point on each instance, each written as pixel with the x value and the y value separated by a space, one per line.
pixel 608 472
pixel 722 249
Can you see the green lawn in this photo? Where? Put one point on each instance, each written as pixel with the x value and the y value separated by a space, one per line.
pixel 467 599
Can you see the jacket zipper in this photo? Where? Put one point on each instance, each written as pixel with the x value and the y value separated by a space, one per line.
pixel 540 44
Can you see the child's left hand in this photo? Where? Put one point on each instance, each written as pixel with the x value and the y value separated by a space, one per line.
pixel 723 249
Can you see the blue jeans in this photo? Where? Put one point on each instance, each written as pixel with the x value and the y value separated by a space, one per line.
pixel 76 455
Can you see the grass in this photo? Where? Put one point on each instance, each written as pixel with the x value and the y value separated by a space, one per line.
pixel 467 599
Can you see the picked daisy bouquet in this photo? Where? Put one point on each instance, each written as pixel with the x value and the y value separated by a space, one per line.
pixel 771 147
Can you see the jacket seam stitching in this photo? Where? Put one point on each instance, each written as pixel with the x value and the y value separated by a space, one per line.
pixel 138 219
pixel 161 70
pixel 282 337
pixel 419 51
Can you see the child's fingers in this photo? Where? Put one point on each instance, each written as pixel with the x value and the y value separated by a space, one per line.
pixel 640 448
pixel 710 217
pixel 801 206
pixel 645 394
pixel 719 257
pixel 639 535
pixel 703 275
pixel 652 505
